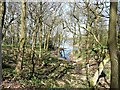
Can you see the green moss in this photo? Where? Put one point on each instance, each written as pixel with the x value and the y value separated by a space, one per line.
pixel 107 72
pixel 91 83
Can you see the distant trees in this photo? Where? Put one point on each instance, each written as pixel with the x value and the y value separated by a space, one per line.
pixel 112 44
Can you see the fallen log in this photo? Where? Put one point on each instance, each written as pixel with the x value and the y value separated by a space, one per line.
pixel 94 80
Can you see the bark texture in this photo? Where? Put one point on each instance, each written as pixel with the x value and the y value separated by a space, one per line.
pixel 112 44
pixel 22 38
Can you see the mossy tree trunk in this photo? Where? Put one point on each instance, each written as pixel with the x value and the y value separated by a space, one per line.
pixel 22 38
pixel 34 40
pixel 112 44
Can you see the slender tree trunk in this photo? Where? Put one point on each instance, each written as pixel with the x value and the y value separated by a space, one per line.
pixel 87 47
pixel 96 26
pixel 44 37
pixel 74 38
pixel 22 38
pixel 119 31
pixel 48 39
pixel 40 38
pixel 12 37
pixel 18 24
pixel 112 44
pixel 33 48
pixel 58 45
pixel 79 37
pixel 29 37
pixel 45 41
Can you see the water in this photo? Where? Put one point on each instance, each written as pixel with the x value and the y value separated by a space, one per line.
pixel 68 48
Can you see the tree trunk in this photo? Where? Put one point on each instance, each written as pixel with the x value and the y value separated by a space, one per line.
pixel 87 47
pixel 40 37
pixel 2 15
pixel 119 31
pixel 22 38
pixel 48 39
pixel 79 38
pixel 119 47
pixel 33 48
pixel 45 40
pixel 44 37
pixel 112 44
pixel 12 37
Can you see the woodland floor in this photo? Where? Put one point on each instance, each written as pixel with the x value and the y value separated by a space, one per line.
pixel 50 72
